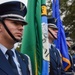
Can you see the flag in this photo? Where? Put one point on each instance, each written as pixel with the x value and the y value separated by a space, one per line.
pixel 32 35
pixel 45 43
pixel 61 41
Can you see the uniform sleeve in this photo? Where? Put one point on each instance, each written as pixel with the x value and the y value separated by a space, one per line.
pixel 29 64
pixel 62 69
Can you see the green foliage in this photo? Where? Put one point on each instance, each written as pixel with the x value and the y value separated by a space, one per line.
pixel 69 19
pixel 67 8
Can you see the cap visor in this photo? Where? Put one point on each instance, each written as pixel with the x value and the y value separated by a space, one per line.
pixel 20 20
pixel 53 27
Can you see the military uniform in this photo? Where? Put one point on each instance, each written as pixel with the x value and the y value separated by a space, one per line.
pixel 5 68
pixel 13 13
pixel 56 67
pixel 70 70
pixel 73 56
pixel 69 42
pixel 73 62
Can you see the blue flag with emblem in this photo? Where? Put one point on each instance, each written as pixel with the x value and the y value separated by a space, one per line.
pixel 61 41
pixel 45 64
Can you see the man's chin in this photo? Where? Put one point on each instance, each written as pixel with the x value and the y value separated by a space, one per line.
pixel 55 37
pixel 18 40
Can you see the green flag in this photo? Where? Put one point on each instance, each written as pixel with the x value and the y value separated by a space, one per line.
pixel 32 38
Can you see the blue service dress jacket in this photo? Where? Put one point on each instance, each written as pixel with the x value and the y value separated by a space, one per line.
pixel 73 62
pixel 5 68
pixel 56 67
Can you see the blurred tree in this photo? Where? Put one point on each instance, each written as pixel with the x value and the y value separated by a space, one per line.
pixel 67 12
pixel 49 9
pixel 68 8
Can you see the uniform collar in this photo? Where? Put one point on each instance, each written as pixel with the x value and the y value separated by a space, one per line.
pixel 4 49
pixel 51 45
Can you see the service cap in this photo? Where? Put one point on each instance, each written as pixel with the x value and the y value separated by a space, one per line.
pixel 67 36
pixel 52 23
pixel 13 10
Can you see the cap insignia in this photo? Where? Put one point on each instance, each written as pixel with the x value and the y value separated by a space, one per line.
pixel 22 6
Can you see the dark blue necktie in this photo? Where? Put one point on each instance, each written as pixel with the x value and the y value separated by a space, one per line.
pixel 11 61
